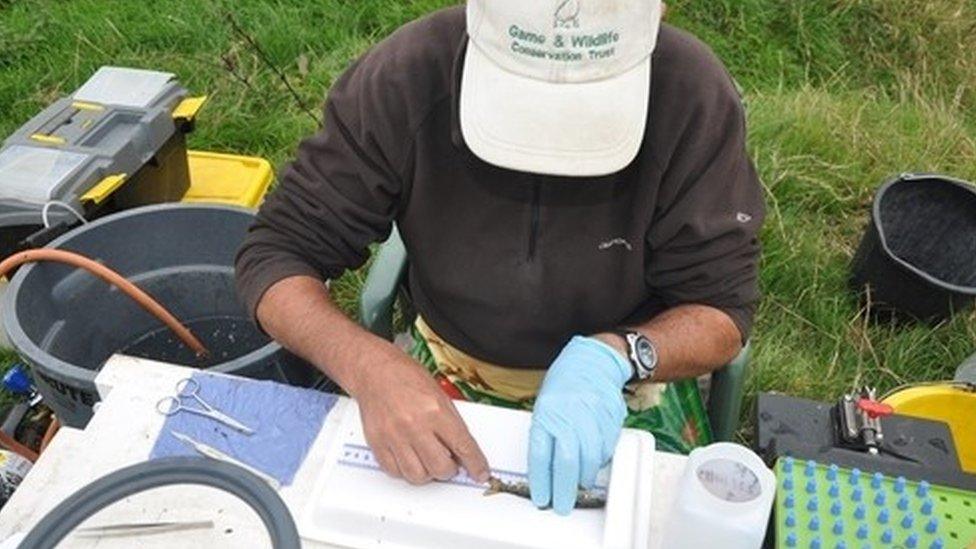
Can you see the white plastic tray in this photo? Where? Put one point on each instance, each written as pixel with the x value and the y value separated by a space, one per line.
pixel 355 505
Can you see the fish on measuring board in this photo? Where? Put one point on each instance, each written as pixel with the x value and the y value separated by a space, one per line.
pixel 585 499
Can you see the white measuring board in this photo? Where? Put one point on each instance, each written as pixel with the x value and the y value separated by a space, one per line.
pixel 356 505
pixel 362 457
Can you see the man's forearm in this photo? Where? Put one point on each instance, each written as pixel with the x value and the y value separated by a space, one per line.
pixel 299 313
pixel 691 340
pixel 411 425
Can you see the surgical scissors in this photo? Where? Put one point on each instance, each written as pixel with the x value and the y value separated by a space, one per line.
pixel 190 388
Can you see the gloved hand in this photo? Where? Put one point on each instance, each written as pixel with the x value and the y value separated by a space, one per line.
pixel 577 420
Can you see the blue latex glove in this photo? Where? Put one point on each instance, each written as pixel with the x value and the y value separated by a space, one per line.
pixel 576 422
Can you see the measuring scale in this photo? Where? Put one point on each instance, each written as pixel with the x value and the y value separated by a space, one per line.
pixel 355 505
pixel 724 500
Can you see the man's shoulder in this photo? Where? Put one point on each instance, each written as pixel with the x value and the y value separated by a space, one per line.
pixel 400 79
pixel 691 93
pixel 683 64
pixel 428 44
pixel 450 20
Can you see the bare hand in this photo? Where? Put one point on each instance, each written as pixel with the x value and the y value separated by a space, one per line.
pixel 411 425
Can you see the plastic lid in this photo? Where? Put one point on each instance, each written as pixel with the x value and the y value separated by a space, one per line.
pixel 33 174
pixel 124 87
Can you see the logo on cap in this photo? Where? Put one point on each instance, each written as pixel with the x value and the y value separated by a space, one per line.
pixel 567 15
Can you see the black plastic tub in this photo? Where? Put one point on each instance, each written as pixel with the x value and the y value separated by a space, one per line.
pixel 66 323
pixel 918 258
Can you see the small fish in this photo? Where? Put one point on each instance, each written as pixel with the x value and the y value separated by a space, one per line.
pixel 585 499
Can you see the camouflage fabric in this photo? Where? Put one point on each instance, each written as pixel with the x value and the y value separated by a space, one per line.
pixel 673 412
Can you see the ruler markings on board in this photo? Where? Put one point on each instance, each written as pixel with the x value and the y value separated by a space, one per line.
pixel 362 457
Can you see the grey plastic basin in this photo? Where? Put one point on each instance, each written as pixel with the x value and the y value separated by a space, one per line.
pixel 66 323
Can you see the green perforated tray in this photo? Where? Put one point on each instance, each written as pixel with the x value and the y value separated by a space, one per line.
pixel 824 507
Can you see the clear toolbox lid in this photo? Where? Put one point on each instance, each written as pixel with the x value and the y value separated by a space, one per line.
pixel 34 174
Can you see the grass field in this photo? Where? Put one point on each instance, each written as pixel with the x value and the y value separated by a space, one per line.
pixel 841 94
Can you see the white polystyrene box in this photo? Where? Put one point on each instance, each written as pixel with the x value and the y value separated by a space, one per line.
pixel 355 505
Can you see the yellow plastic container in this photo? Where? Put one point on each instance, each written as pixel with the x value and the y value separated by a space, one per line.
pixel 950 403
pixel 228 179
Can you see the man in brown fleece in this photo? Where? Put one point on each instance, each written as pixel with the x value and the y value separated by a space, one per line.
pixel 571 183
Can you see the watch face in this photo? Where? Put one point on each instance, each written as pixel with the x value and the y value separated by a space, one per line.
pixel 645 352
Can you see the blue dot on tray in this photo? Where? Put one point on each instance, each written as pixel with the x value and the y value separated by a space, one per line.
pixel 876 480
pixel 903 503
pixel 835 508
pixel 812 504
pixel 832 472
pixel 810 468
pixel 814 524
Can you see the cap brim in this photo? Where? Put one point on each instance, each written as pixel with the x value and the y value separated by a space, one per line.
pixel 580 130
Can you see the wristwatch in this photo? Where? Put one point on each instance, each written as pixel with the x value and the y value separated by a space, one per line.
pixel 641 353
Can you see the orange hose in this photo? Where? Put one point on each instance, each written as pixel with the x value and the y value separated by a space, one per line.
pixel 108 275
pixel 18 448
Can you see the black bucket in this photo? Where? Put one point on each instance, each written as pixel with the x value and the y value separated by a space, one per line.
pixel 66 323
pixel 918 257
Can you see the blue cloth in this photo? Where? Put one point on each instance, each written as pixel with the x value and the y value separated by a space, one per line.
pixel 285 420
pixel 576 421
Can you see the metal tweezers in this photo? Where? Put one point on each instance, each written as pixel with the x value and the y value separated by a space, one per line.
pixel 143 528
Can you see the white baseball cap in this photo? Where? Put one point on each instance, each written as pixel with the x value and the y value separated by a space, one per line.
pixel 558 87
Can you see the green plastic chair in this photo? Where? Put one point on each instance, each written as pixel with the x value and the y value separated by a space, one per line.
pixel 966 372
pixel 376 314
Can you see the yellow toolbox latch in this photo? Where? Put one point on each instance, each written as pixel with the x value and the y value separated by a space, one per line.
pixel 103 189
pixel 188 108
pixel 48 139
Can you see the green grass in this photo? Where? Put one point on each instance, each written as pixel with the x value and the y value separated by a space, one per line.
pixel 841 94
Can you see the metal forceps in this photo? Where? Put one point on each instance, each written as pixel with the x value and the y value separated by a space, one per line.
pixel 190 388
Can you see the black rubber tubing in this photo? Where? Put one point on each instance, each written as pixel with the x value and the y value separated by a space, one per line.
pixel 84 503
